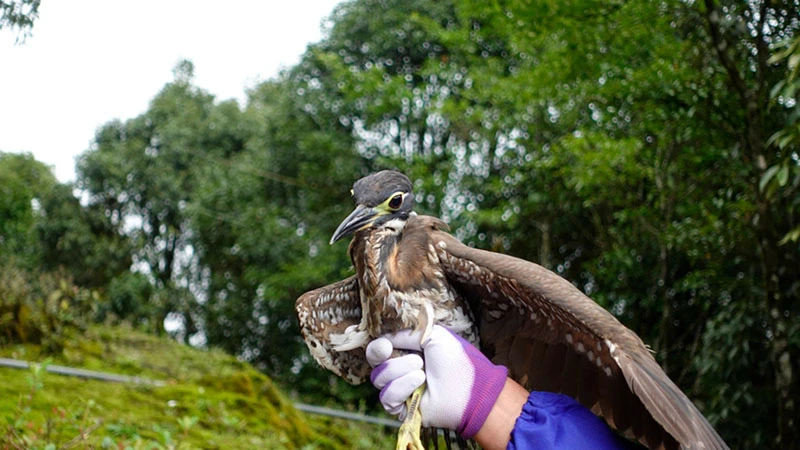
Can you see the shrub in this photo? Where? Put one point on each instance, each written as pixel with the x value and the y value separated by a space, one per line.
pixel 42 308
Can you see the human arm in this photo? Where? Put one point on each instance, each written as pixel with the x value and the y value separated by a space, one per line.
pixel 496 431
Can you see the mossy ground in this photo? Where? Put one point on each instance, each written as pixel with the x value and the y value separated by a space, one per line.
pixel 210 400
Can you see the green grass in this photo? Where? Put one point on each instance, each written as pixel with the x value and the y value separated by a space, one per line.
pixel 211 400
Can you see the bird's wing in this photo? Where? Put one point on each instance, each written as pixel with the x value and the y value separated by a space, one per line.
pixel 328 311
pixel 554 338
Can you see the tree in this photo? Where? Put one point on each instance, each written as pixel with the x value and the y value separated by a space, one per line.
pixel 23 182
pixel 743 35
pixel 37 304
pixel 143 173
pixel 19 14
pixel 263 218
pixel 81 240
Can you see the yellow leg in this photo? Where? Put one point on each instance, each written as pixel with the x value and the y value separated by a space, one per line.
pixel 408 436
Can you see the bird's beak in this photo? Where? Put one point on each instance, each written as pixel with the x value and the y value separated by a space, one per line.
pixel 360 218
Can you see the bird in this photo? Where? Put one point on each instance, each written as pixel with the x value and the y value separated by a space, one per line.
pixel 411 273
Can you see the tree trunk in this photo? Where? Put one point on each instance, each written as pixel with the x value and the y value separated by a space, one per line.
pixel 545 252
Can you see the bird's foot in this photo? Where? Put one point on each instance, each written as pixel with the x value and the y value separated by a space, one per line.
pixel 408 437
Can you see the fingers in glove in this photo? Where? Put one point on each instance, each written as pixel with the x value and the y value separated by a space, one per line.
pixel 379 351
pixel 395 368
pixel 397 391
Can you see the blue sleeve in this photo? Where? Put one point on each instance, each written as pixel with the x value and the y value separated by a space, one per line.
pixel 556 421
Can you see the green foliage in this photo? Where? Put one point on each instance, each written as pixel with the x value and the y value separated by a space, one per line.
pixel 211 400
pixel 225 212
pixel 783 178
pixel 262 220
pixel 129 299
pixel 44 309
pixel 44 227
pixel 82 240
pixel 23 181
pixel 22 431
pixel 143 174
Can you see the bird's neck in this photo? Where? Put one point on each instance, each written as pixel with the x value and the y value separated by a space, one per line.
pixel 373 250
pixel 395 225
pixel 374 254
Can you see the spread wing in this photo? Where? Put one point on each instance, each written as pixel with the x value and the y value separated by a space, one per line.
pixel 554 338
pixel 328 311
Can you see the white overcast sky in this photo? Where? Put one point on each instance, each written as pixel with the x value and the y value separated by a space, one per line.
pixel 91 61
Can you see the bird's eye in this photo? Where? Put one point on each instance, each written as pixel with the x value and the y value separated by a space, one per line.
pixel 396 201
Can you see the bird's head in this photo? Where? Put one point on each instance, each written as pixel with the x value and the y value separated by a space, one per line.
pixel 383 199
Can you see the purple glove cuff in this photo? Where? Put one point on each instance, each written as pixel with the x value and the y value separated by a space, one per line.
pixel 489 382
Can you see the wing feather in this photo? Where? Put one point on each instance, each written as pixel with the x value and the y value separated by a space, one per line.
pixel 328 311
pixel 588 387
pixel 608 367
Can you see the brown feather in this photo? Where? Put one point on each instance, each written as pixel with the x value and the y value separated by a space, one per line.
pixel 330 310
pixel 551 368
pixel 521 347
pixel 571 373
pixel 587 389
pixel 627 388
pixel 620 403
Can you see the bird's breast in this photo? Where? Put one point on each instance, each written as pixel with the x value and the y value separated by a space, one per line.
pixel 403 287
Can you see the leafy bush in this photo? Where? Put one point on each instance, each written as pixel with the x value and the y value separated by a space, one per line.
pixel 43 309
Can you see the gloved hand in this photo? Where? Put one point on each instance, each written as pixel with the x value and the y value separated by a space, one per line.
pixel 462 384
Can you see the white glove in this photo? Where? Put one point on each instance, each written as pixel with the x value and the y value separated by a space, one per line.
pixel 462 384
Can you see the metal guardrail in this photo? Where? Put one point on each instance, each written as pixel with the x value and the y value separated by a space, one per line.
pixel 82 373
pixel 105 376
pixel 346 415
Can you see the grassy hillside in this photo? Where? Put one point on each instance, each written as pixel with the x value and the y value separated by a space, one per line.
pixel 210 401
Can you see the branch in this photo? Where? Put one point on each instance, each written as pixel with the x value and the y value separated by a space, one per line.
pixel 721 47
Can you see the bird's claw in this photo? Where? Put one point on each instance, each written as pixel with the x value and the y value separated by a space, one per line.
pixel 408 437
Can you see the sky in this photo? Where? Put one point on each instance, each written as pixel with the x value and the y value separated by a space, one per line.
pixel 91 61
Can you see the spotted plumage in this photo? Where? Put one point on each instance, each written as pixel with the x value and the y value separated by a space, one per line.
pixel 411 273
